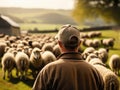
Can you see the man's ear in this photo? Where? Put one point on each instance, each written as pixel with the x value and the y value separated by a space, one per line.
pixel 60 44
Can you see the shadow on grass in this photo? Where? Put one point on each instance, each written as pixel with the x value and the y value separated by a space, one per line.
pixel 29 81
pixel 14 80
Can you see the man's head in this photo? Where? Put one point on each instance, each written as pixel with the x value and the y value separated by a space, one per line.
pixel 69 36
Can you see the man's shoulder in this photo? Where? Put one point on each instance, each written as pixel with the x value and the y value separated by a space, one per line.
pixel 54 63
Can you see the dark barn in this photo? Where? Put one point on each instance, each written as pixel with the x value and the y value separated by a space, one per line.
pixel 8 26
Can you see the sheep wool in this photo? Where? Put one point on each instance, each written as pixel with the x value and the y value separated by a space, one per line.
pixel 111 81
pixel 114 63
pixel 8 64
pixel 22 64
pixel 48 57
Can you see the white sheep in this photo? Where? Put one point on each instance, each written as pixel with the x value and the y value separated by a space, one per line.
pixel 47 47
pixel 91 56
pixel 109 42
pixel 48 57
pixel 103 54
pixel 56 50
pixel 91 34
pixel 114 63
pixel 111 81
pixel 36 61
pixel 34 44
pixel 22 64
pixel 8 64
pixel 88 42
pixel 87 51
pixel 96 43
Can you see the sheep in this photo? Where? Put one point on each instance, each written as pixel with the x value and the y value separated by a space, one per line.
pixel 2 48
pixel 36 61
pixel 22 64
pixel 111 81
pixel 47 47
pixel 91 56
pixel 88 42
pixel 98 34
pixel 20 45
pixel 48 57
pixel 34 44
pixel 96 43
pixel 12 39
pixel 96 61
pixel 114 63
pixel 107 43
pixel 8 64
pixel 103 54
pixel 87 51
pixel 91 34
pixel 56 50
pixel 27 50
pixel 83 35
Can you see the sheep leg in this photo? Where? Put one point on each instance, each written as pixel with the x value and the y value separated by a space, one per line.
pixel 4 70
pixel 26 74
pixel 21 75
pixel 34 73
pixel 9 73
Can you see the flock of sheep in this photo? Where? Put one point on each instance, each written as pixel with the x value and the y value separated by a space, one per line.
pixel 33 52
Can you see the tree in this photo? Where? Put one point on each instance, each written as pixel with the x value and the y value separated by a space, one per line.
pixel 109 10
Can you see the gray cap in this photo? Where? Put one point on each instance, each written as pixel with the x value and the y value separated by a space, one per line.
pixel 69 35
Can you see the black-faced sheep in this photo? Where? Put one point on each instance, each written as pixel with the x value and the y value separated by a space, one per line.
pixel 22 64
pixel 8 64
pixel 114 63
pixel 27 50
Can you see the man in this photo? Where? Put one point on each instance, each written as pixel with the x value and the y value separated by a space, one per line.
pixel 70 71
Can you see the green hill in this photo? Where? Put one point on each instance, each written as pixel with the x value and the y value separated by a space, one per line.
pixel 46 16
pixel 55 18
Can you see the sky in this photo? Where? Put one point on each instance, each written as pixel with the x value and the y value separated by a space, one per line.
pixel 49 4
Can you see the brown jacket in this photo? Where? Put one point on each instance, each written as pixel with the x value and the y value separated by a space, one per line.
pixel 69 72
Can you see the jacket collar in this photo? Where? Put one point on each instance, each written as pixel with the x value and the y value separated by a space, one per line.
pixel 71 56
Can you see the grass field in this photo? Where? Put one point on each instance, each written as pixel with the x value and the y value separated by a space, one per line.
pixel 28 26
pixel 16 84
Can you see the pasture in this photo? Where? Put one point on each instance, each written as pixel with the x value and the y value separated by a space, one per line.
pixel 16 84
pixel 31 26
pixel 30 19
